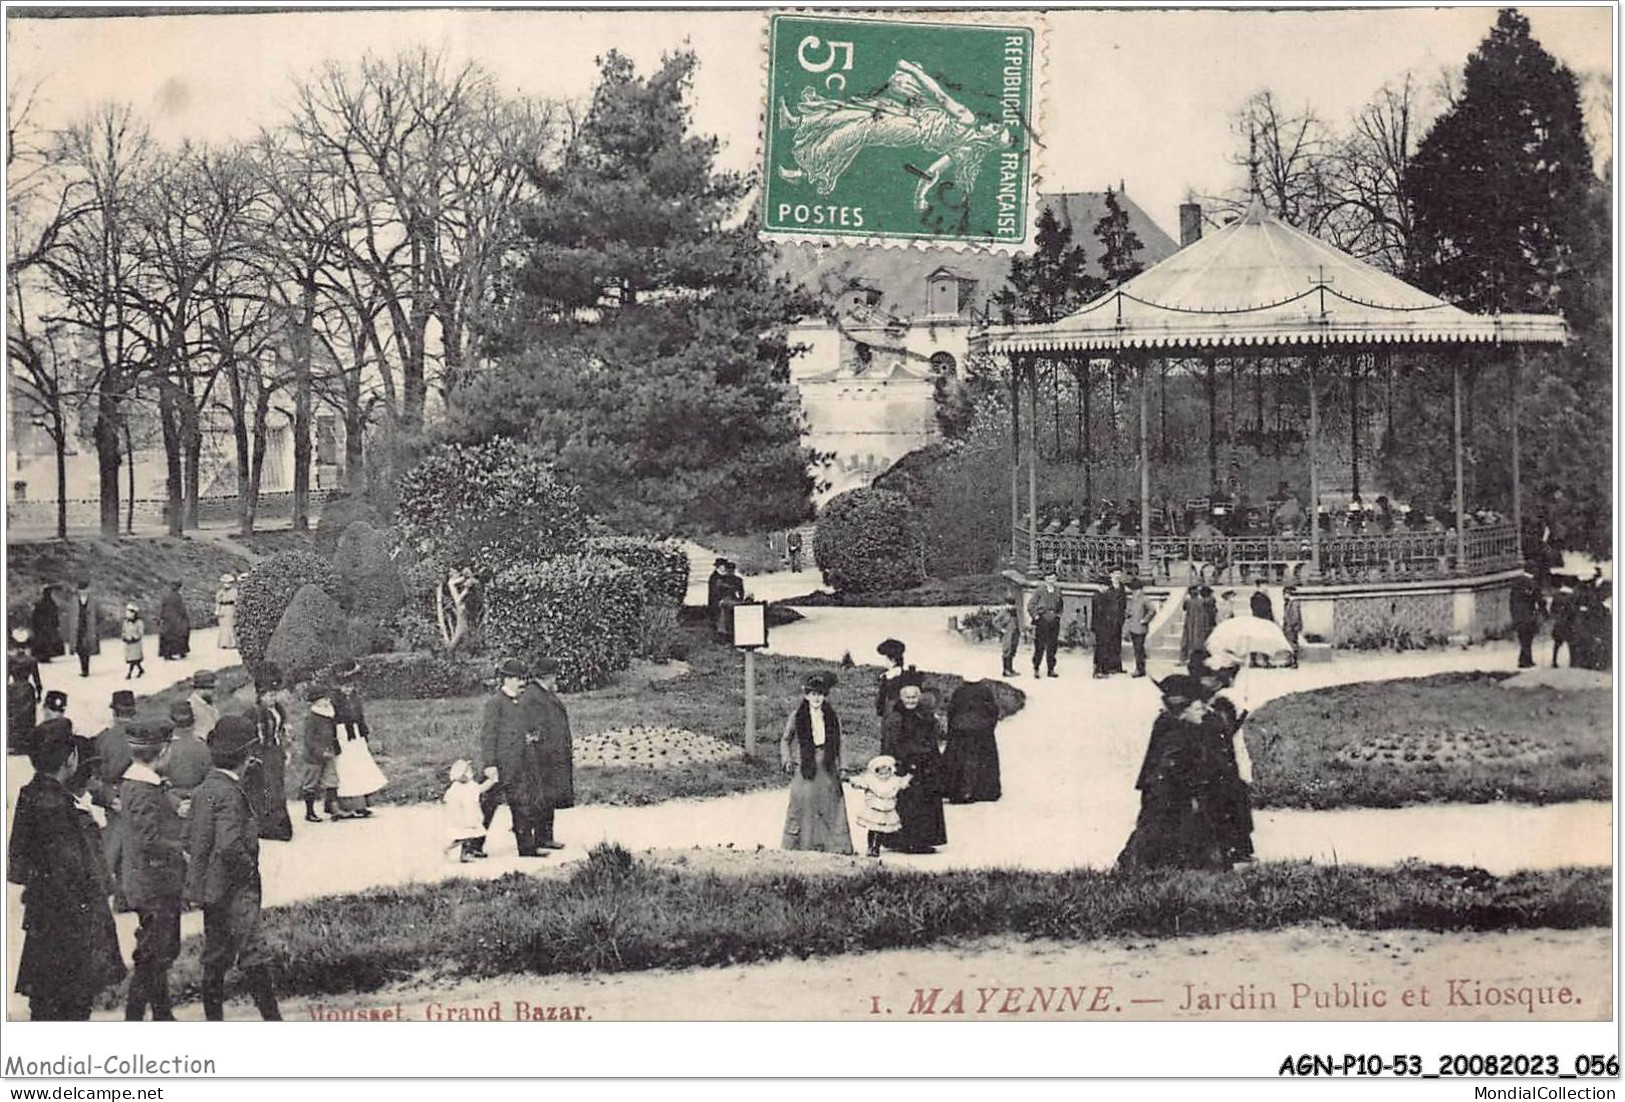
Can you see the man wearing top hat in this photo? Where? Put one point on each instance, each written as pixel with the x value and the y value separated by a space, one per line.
pixel 70 944
pixel 85 627
pixel 154 871
pixel 1525 601
pixel 515 745
pixel 222 838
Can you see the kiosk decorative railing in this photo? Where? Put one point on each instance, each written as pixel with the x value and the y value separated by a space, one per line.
pixel 1344 557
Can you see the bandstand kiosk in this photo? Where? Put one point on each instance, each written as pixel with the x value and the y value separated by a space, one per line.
pixel 1262 289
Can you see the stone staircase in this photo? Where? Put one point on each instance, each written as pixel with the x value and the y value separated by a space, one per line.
pixel 1162 641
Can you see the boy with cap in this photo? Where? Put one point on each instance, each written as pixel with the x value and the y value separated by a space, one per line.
pixel 187 763
pixel 113 758
pixel 204 712
pixel 319 747
pixel 70 945
pixel 55 705
pixel 154 871
pixel 224 876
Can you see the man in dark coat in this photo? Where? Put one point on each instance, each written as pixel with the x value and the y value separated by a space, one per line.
pixel 512 754
pixel 23 690
pixel 728 590
pixel 45 627
pixel 70 945
pixel 187 763
pixel 154 872
pixel 174 625
pixel 85 627
pixel 541 702
pixel 1109 607
pixel 224 877
pixel 1525 599
pixel 1045 609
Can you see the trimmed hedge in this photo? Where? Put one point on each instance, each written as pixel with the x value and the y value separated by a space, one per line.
pixel 338 513
pixel 312 635
pixel 421 677
pixel 372 582
pixel 586 611
pixel 264 595
pixel 661 564
pixel 868 541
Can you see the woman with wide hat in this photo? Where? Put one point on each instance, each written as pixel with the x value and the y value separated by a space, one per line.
pixel 892 650
pixel 909 735
pixel 810 751
pixel 1175 828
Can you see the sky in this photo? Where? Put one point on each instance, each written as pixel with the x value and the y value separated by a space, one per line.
pixel 1143 96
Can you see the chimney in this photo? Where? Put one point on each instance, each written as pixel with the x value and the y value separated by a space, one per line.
pixel 1190 223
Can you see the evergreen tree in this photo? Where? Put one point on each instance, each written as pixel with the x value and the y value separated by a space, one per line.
pixel 1498 185
pixel 1121 243
pixel 1510 217
pixel 644 345
pixel 1052 282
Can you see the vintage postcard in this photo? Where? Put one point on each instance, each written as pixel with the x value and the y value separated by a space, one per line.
pixel 1096 519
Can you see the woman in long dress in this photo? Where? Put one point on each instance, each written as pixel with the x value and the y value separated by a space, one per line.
pixel 909 735
pixel 265 778
pixel 810 751
pixel 174 624
pixel 359 775
pixel 1177 827
pixel 972 760
pixel 893 651
pixel 45 626
pixel 1201 613
pixel 225 611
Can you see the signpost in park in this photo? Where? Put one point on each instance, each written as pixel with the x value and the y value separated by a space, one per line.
pixel 750 635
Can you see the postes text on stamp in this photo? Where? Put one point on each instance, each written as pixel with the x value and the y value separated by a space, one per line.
pixel 886 129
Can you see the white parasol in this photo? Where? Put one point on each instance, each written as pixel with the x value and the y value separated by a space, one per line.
pixel 1233 641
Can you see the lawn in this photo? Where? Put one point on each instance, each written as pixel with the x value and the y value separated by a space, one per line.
pixel 137 569
pixel 415 740
pixel 274 540
pixel 1456 737
pixel 614 913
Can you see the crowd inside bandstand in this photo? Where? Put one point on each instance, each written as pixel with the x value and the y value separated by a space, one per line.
pixel 1231 512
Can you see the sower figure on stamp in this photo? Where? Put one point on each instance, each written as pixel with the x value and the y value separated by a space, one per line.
pixel 154 872
pixel 70 945
pixel 224 878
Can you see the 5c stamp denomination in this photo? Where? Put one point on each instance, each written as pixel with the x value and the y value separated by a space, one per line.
pixel 885 129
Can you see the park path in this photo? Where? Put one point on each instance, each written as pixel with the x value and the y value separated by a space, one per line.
pixel 1069 760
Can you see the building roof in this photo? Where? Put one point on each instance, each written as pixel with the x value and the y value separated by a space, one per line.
pixel 1260 281
pixel 902 273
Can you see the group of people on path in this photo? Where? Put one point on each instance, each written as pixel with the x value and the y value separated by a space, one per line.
pixel 1581 617
pixel 150 817
pixel 159 816
pixel 54 630
pixel 925 759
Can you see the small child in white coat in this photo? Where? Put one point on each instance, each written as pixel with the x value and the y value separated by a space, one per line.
pixel 880 785
pixel 465 823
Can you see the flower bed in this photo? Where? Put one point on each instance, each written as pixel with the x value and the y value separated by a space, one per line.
pixel 650 747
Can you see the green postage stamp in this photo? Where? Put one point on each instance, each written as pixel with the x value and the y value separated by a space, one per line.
pixel 885 129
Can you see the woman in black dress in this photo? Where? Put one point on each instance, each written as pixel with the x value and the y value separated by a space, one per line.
pixel 1176 827
pixel 971 763
pixel 45 627
pixel 886 692
pixel 909 735
pixel 265 777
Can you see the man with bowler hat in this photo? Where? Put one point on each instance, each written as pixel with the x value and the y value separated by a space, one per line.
pixel 204 710
pixel 113 758
pixel 187 764
pixel 512 754
pixel 70 944
pixel 549 719
pixel 154 871
pixel 224 877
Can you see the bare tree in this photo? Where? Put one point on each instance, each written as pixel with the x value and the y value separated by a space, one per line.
pixel 1368 216
pixel 1286 156
pixel 92 269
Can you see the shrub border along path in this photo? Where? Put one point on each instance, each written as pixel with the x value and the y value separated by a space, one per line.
pixel 617 914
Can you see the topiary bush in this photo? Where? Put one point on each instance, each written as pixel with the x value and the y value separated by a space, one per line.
pixel 487 506
pixel 661 564
pixel 264 595
pixel 312 635
pixel 372 582
pixel 337 514
pixel 868 541
pixel 586 611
